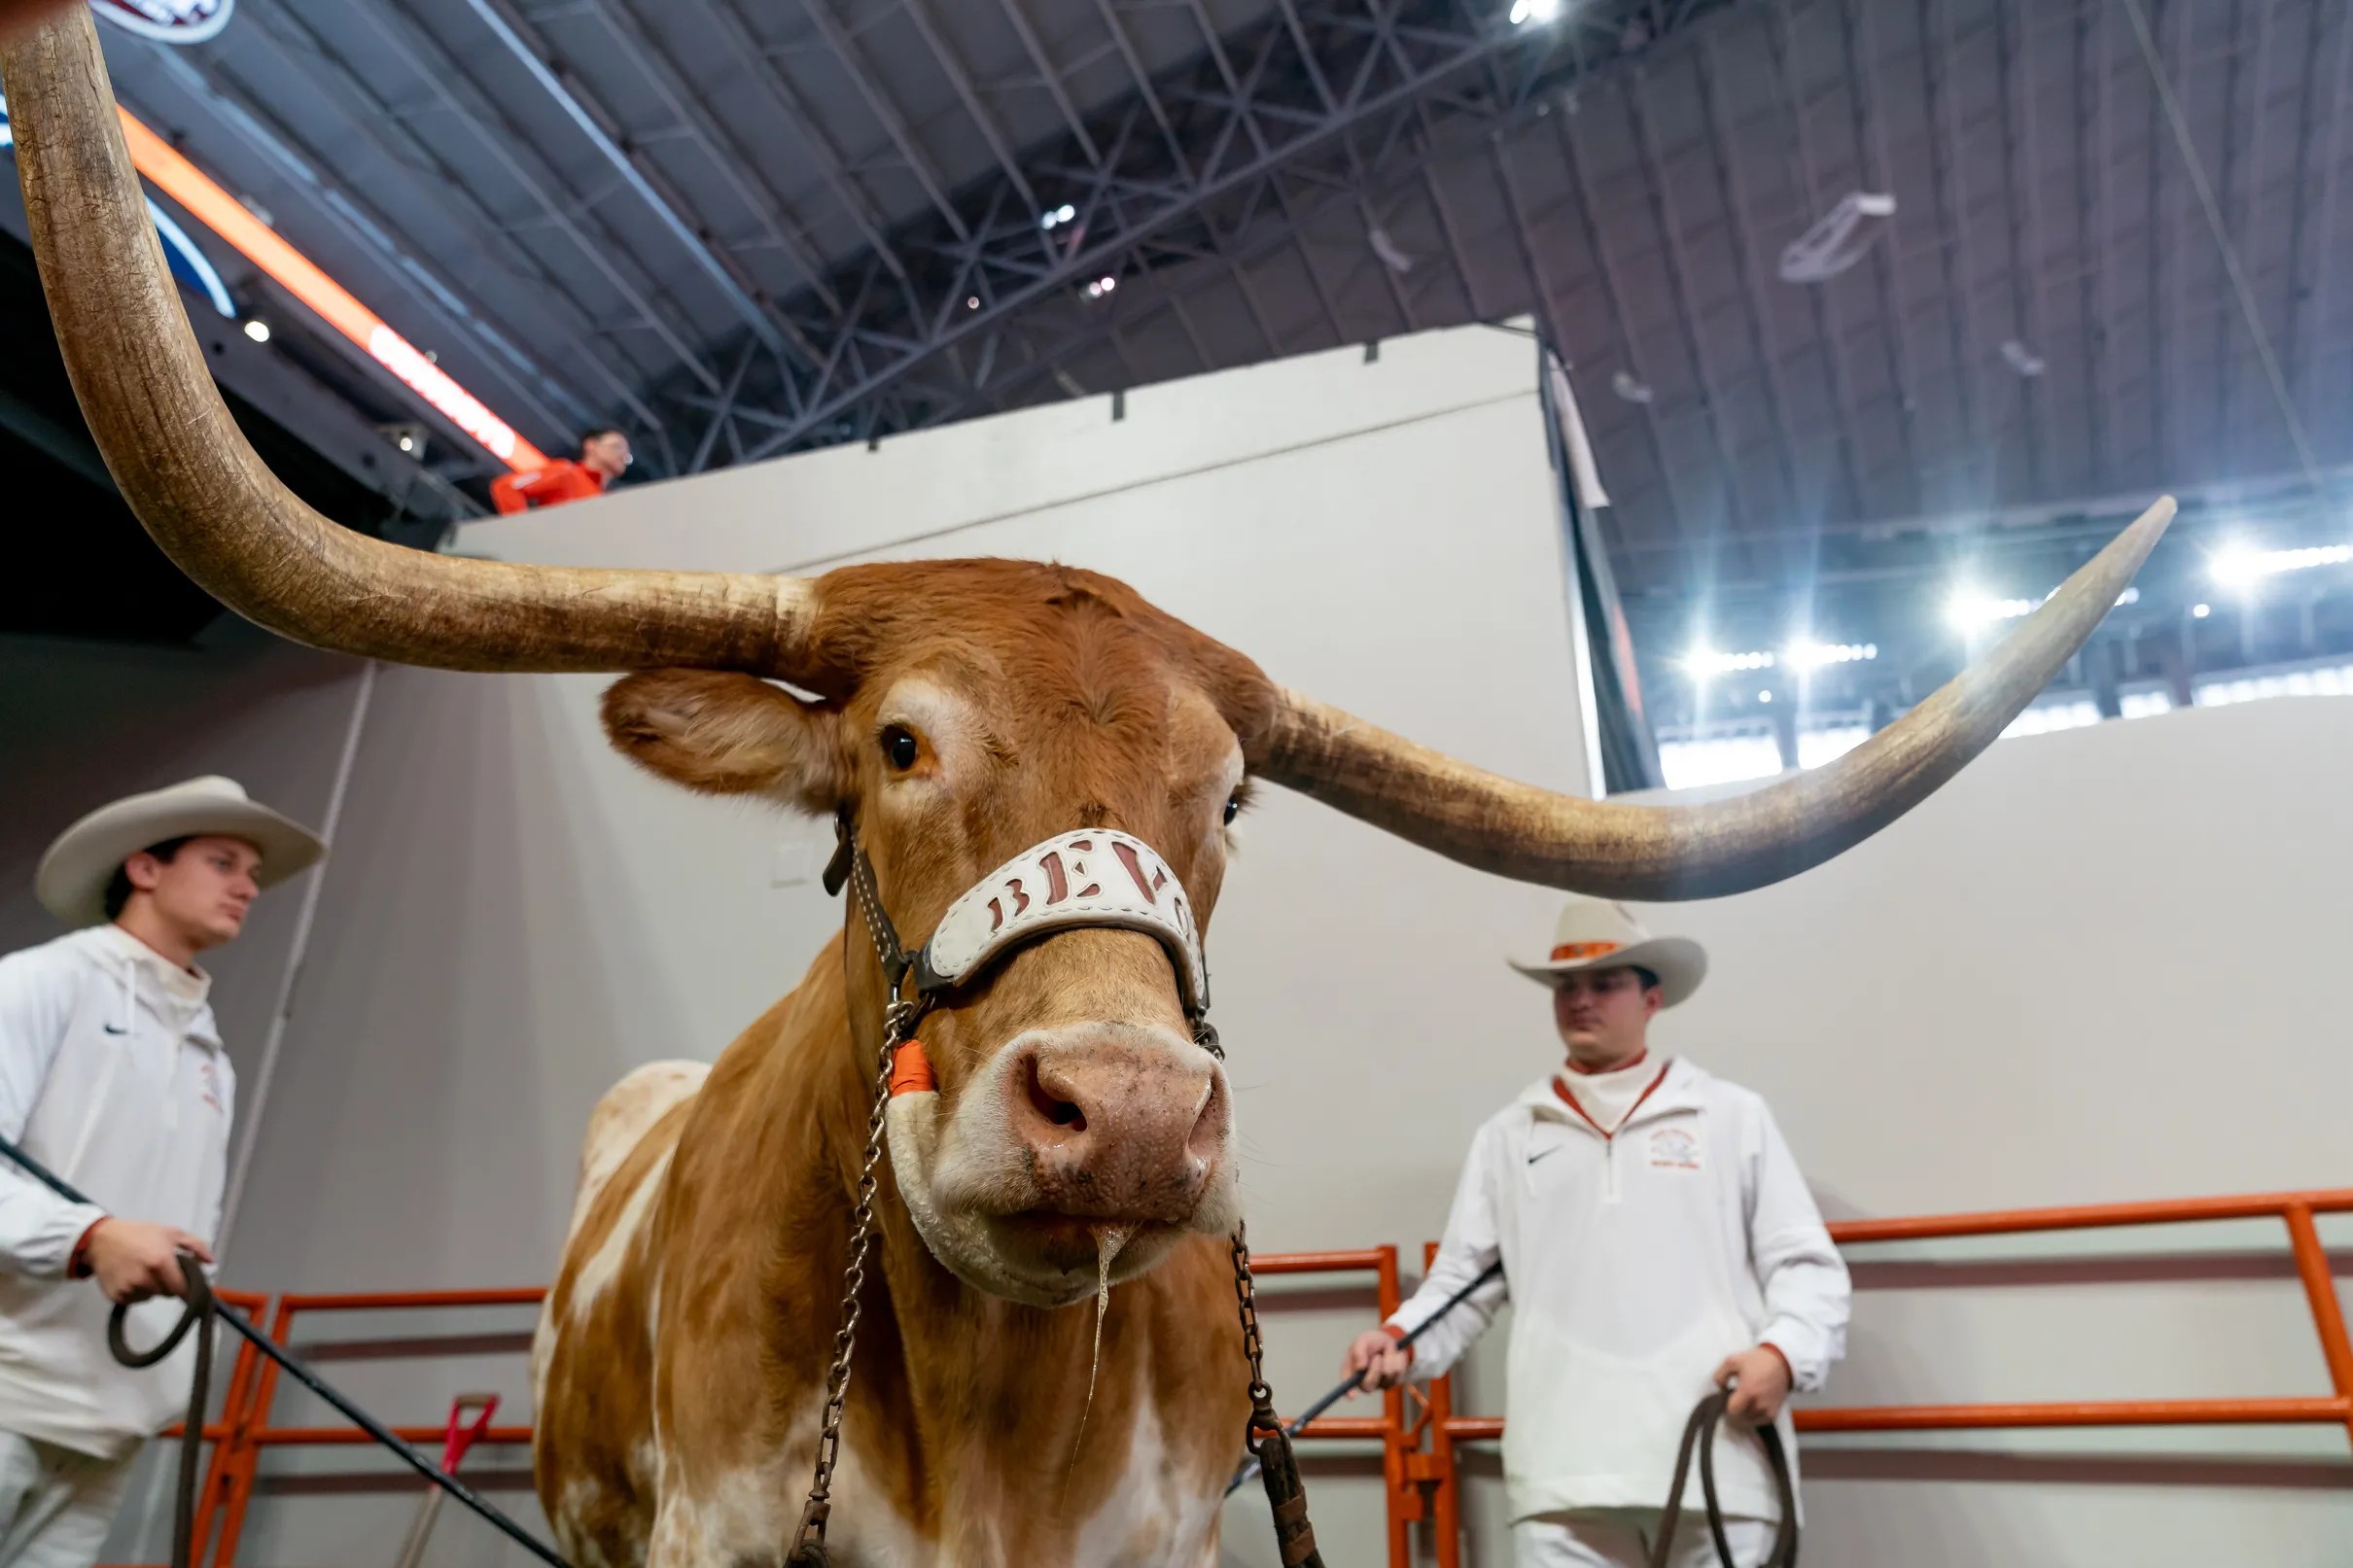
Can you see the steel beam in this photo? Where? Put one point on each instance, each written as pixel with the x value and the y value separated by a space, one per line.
pixel 565 88
pixel 886 114
pixel 502 143
pixel 1948 194
pixel 1539 284
pixel 2026 206
pixel 1051 77
pixel 2302 357
pixel 1872 160
pixel 302 167
pixel 1613 301
pixel 726 154
pixel 967 92
pixel 2234 74
pixel 1679 268
pixel 737 36
pixel 2095 202
pixel 1384 61
pixel 1827 330
pixel 376 120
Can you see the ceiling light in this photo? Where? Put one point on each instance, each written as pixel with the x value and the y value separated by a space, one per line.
pixel 972 302
pixel 299 275
pixel 1524 12
pixel 408 443
pixel 1059 216
pixel 1814 656
pixel 1100 287
pixel 2237 566
pixel 1764 696
pixel 1970 610
pixel 257 330
pixel 2200 611
pixel 1705 663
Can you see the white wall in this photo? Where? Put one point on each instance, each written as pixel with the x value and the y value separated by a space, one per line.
pixel 2097 966
pixel 2101 966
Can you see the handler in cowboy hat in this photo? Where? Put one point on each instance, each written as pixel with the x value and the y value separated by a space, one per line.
pixel 113 1076
pixel 1657 1241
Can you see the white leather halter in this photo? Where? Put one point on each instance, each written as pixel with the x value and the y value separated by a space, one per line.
pixel 1092 876
pixel 1089 876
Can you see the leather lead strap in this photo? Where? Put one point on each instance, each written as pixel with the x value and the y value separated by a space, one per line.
pixel 1699 1433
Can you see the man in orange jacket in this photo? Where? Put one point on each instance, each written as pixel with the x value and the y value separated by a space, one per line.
pixel 603 458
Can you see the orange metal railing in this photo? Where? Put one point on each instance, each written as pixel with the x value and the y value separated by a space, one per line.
pixel 253 1433
pixel 1402 1503
pixel 243 1433
pixel 2295 1209
pixel 1418 1459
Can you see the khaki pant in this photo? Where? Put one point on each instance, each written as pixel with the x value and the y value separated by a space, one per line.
pixel 1623 1537
pixel 55 1505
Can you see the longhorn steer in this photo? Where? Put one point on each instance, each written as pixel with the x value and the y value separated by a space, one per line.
pixel 964 712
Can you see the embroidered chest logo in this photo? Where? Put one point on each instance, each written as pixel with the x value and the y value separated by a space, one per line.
pixel 210 1088
pixel 1672 1148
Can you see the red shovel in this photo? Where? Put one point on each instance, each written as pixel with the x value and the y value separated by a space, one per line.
pixel 461 1437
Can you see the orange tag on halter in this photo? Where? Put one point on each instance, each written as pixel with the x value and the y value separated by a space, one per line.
pixel 911 1071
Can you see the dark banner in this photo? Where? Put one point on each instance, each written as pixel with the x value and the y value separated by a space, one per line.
pixel 1630 753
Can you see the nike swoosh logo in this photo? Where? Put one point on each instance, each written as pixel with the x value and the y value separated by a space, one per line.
pixel 111 1029
pixel 1534 1158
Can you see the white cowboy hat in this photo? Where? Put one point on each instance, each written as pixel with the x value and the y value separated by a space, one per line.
pixel 71 883
pixel 1598 934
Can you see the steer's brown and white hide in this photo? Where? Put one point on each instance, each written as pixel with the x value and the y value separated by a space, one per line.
pixel 682 1357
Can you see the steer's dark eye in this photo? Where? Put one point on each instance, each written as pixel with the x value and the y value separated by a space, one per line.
pixel 901 746
pixel 1232 808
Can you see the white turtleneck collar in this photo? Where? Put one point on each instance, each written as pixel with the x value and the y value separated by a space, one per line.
pixel 188 987
pixel 1607 1098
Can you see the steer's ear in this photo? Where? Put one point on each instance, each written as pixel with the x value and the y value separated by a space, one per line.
pixel 725 733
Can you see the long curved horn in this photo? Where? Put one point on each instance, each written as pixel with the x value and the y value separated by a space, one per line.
pixel 1704 851
pixel 216 510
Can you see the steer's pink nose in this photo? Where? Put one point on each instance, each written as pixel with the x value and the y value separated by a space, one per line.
pixel 1116 1128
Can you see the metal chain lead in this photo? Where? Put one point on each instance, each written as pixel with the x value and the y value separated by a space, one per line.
pixel 1295 1539
pixel 1253 1348
pixel 1264 1437
pixel 809 1541
pixel 898 1026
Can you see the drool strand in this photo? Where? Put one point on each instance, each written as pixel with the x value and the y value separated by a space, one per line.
pixel 1108 1240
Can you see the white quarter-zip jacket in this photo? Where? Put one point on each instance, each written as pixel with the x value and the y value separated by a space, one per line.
pixel 1634 1264
pixel 113 1076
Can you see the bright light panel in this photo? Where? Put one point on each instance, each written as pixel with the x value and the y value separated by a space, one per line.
pixel 1814 656
pixel 2237 566
pixel 2337 682
pixel 1970 610
pixel 1707 663
pixel 295 272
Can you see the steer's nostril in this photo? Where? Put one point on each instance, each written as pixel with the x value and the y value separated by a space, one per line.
pixel 1052 1106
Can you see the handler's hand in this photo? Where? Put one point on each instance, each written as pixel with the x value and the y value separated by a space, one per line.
pixel 134 1260
pixel 1763 1384
pixel 1379 1358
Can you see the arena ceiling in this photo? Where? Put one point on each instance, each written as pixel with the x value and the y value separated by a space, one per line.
pixel 742 227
